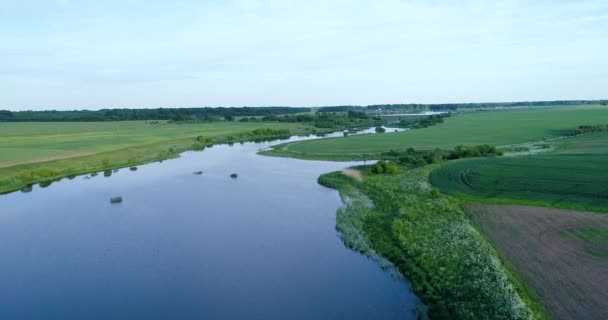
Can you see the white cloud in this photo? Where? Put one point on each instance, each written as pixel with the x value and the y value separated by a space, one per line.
pixel 249 52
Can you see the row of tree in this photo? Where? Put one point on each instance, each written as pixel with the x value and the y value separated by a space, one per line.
pixel 423 157
pixel 589 129
pixel 330 120
pixel 175 114
pixel 413 107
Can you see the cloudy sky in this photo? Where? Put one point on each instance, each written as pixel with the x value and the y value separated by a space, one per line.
pixel 68 54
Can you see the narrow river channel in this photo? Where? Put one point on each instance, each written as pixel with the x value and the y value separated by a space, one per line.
pixel 190 246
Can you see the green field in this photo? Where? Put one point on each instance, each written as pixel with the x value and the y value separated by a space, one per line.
pixel 32 142
pixel 427 236
pixel 572 176
pixel 498 128
pixel 33 152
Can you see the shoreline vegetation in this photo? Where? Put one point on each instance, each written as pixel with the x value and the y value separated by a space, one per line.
pixel 426 235
pixel 500 128
pixel 23 176
pixel 394 213
pixel 408 210
pixel 45 152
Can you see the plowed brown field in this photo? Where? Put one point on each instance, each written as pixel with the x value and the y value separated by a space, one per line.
pixel 561 255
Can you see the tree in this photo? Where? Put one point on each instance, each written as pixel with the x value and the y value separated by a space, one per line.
pixel 380 130
pixel 5 115
pixel 378 168
pixel 437 156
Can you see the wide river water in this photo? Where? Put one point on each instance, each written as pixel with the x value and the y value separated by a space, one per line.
pixel 186 246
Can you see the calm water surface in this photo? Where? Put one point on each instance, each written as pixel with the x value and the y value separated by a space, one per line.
pixel 185 246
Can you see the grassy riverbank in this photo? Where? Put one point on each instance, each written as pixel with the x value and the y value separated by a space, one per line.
pixel 427 236
pixel 37 152
pixel 499 128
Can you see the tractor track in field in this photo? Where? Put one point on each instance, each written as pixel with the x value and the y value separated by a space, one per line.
pixel 465 175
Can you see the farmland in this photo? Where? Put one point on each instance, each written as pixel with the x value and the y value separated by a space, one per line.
pixel 31 152
pixel 560 254
pixel 498 128
pixel 30 142
pixel 573 176
pixel 427 237
pixel 409 214
pixel 425 232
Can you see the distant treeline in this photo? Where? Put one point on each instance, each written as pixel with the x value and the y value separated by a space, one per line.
pixel 175 114
pixel 222 113
pixel 589 129
pixel 330 120
pixel 457 106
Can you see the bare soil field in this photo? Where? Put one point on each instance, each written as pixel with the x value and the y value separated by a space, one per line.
pixel 561 255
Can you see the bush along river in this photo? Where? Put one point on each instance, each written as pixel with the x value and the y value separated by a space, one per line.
pixel 222 233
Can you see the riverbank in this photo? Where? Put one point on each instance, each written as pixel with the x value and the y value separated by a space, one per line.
pixel 499 128
pixel 178 239
pixel 110 146
pixel 427 236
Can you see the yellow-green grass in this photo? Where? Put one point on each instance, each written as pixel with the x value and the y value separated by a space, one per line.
pixel 572 176
pixel 427 236
pixel 34 152
pixel 498 128
pixel 30 142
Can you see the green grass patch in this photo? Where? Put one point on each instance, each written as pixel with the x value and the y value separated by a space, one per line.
pixel 427 236
pixel 594 239
pixel 37 152
pixel 498 128
pixel 574 176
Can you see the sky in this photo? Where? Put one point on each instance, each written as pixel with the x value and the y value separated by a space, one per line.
pixel 69 54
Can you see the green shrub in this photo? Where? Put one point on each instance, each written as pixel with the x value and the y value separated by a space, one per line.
pixel 25 176
pixel 385 167
pixel 45 172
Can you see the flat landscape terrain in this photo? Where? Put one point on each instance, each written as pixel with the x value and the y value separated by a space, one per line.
pixel 498 128
pixel 562 255
pixel 546 258
pixel 33 152
pixel 28 142
pixel 573 175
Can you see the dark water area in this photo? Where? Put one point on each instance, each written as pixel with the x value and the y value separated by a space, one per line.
pixel 185 244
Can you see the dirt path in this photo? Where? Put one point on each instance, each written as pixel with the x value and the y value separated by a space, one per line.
pixel 64 155
pixel 353 173
pixel 567 271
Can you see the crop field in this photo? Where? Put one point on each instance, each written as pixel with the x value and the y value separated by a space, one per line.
pixel 561 255
pixel 498 128
pixel 35 152
pixel 573 176
pixel 27 142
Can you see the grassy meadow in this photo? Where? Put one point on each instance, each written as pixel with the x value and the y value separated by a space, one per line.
pixel 426 235
pixel 573 175
pixel 500 128
pixel 26 142
pixel 34 152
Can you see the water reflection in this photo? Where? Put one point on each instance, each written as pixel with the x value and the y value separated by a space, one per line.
pixel 182 246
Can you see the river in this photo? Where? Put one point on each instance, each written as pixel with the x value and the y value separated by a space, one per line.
pixel 189 246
